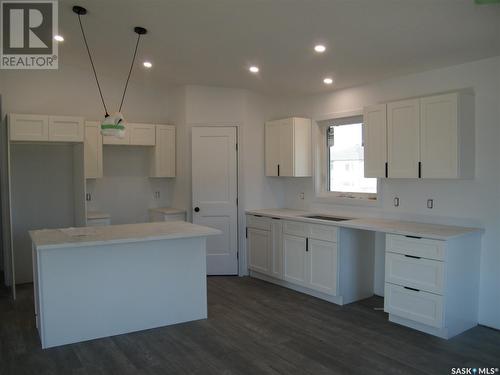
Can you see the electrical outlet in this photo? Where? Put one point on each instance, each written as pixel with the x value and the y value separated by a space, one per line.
pixel 88 197
pixel 301 196
pixel 156 195
pixel 430 204
pixel 396 201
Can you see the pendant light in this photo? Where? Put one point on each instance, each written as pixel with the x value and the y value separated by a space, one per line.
pixel 114 124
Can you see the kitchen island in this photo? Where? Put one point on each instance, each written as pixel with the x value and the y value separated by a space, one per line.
pixel 94 282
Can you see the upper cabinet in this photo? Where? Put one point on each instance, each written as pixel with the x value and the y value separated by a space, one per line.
pixel 430 137
pixel 45 128
pixel 142 134
pixel 163 153
pixel 447 136
pixel 288 147
pixel 403 152
pixel 93 150
pixel 375 140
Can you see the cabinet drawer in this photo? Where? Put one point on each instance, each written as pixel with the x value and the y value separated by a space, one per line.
pixel 175 217
pixel 420 247
pixel 98 222
pixel 422 274
pixel 295 228
pixel 419 306
pixel 323 232
pixel 259 222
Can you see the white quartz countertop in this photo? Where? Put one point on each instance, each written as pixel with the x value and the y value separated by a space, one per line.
pixel 111 234
pixel 407 228
pixel 168 210
pixel 97 215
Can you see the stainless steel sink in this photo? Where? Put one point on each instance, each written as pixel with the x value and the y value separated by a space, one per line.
pixel 329 218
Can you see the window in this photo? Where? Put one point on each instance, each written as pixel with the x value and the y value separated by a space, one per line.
pixel 345 159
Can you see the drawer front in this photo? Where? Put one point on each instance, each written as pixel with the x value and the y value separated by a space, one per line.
pixel 420 247
pixel 422 274
pixel 175 217
pixel 323 232
pixel 295 228
pixel 259 222
pixel 98 222
pixel 422 307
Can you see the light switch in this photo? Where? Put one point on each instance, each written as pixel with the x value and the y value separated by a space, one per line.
pixel 430 204
pixel 396 201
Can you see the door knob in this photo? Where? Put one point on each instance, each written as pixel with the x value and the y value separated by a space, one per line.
pixel 197 209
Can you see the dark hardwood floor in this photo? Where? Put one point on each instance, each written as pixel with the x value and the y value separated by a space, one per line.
pixel 253 328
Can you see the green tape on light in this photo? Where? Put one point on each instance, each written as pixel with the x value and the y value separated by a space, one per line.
pixel 481 2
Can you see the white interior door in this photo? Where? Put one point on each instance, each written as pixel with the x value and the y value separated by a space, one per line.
pixel 214 177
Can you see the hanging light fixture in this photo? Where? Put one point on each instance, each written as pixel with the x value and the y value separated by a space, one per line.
pixel 114 124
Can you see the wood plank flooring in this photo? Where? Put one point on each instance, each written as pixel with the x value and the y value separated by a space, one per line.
pixel 253 328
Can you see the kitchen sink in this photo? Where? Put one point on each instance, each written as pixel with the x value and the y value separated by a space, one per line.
pixel 329 218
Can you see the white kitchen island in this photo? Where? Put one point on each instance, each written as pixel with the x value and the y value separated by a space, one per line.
pixel 96 282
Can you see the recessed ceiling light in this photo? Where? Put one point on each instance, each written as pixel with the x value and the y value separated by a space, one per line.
pixel 147 64
pixel 328 81
pixel 319 48
pixel 254 69
pixel 58 38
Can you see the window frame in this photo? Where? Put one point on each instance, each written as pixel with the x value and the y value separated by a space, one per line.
pixel 322 169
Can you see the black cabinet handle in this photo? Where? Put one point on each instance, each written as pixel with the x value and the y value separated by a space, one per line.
pixel 386 169
pixel 413 256
pixel 197 209
pixel 416 237
pixel 246 232
pixel 419 169
pixel 278 169
pixel 307 243
pixel 415 290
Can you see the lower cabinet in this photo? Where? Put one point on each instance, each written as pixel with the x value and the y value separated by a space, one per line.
pixel 322 266
pixel 259 246
pixel 294 259
pixel 432 285
pixel 291 251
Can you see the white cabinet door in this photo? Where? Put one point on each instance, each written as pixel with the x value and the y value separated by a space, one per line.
pixel 259 244
pixel 28 127
pixel 112 140
pixel 403 124
pixel 142 134
pixel 93 150
pixel 66 129
pixel 294 259
pixel 163 156
pixel 286 148
pixel 322 261
pixel 439 136
pixel 375 140
pixel 272 147
pixel 277 248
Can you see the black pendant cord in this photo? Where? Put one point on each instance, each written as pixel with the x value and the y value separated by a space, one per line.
pixel 130 71
pixel 93 67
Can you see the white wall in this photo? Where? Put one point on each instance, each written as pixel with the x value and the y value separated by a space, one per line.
pixel 465 202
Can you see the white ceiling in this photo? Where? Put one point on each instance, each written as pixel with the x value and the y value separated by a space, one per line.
pixel 212 42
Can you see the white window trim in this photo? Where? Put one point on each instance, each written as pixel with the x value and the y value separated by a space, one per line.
pixel 320 172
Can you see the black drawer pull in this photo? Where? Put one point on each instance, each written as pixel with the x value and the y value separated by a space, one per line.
pixel 257 215
pixel 416 237
pixel 276 218
pixel 415 290
pixel 412 256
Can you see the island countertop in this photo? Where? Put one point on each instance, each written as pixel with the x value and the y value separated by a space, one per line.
pixel 124 233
